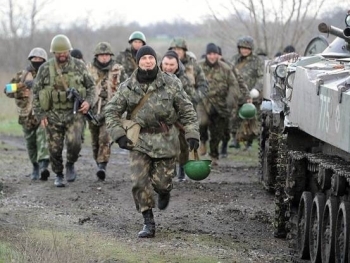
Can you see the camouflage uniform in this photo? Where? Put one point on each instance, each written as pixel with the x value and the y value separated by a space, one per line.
pixel 50 101
pixel 222 83
pixel 107 78
pixel 34 133
pixel 244 94
pixel 153 157
pixel 127 58
pixel 251 69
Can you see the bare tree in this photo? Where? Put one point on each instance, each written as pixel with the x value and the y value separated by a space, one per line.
pixel 272 26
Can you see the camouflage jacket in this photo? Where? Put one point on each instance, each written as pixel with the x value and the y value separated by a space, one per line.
pixel 242 85
pixel 75 75
pixel 167 103
pixel 24 98
pixel 186 84
pixel 107 80
pixel 222 84
pixel 127 60
pixel 251 68
pixel 196 76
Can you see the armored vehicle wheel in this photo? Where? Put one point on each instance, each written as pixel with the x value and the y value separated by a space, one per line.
pixel 315 227
pixel 304 212
pixel 342 232
pixel 328 230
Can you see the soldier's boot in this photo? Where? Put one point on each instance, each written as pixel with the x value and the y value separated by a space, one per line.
pixel 224 149
pixel 202 148
pixel 70 172
pixel 181 176
pixel 35 173
pixel 59 180
pixel 101 172
pixel 235 144
pixel 44 172
pixel 149 227
pixel 163 200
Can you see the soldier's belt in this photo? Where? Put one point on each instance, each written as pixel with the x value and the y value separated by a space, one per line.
pixel 159 129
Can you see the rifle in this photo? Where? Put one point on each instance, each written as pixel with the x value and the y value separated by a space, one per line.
pixel 73 94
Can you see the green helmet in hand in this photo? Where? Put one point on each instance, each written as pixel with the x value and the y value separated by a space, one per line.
pixel 247 111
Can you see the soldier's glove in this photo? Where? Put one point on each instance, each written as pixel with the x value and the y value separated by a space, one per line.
pixel 29 83
pixel 193 144
pixel 124 142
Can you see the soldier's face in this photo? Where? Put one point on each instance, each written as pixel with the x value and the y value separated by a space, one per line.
pixel 169 65
pixel 245 51
pixel 212 57
pixel 180 52
pixel 147 62
pixel 62 57
pixel 136 44
pixel 103 58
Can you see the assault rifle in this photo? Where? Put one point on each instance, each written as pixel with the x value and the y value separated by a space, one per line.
pixel 73 94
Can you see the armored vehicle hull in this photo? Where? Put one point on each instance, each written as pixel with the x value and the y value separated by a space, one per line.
pixel 305 149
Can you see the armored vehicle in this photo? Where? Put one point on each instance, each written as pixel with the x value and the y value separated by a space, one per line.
pixel 305 146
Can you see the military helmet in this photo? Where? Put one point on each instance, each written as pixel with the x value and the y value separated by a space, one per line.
pixel 103 48
pixel 137 35
pixel 60 43
pixel 38 52
pixel 178 42
pixel 197 169
pixel 246 41
pixel 247 111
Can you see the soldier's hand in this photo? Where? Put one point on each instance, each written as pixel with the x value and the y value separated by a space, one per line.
pixel 193 144
pixel 44 122
pixel 124 142
pixel 85 106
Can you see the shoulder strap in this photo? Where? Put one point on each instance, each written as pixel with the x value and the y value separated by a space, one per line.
pixel 141 103
pixel 52 71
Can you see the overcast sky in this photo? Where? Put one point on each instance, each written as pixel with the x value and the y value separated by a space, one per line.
pixel 146 12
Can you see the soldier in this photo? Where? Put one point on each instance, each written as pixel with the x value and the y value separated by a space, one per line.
pixel 154 155
pixel 222 84
pixel 251 68
pixel 244 92
pixel 34 134
pixel 107 75
pixel 127 58
pixel 54 108
pixel 194 73
pixel 171 64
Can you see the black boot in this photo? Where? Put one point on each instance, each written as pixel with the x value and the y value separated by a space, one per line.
pixel 181 176
pixel 59 180
pixel 224 149
pixel 149 228
pixel 101 173
pixel 44 172
pixel 70 172
pixel 163 200
pixel 35 173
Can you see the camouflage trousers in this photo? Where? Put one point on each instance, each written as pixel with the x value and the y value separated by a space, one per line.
pixel 149 175
pixel 184 150
pixel 36 143
pixel 216 127
pixel 64 128
pixel 100 143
